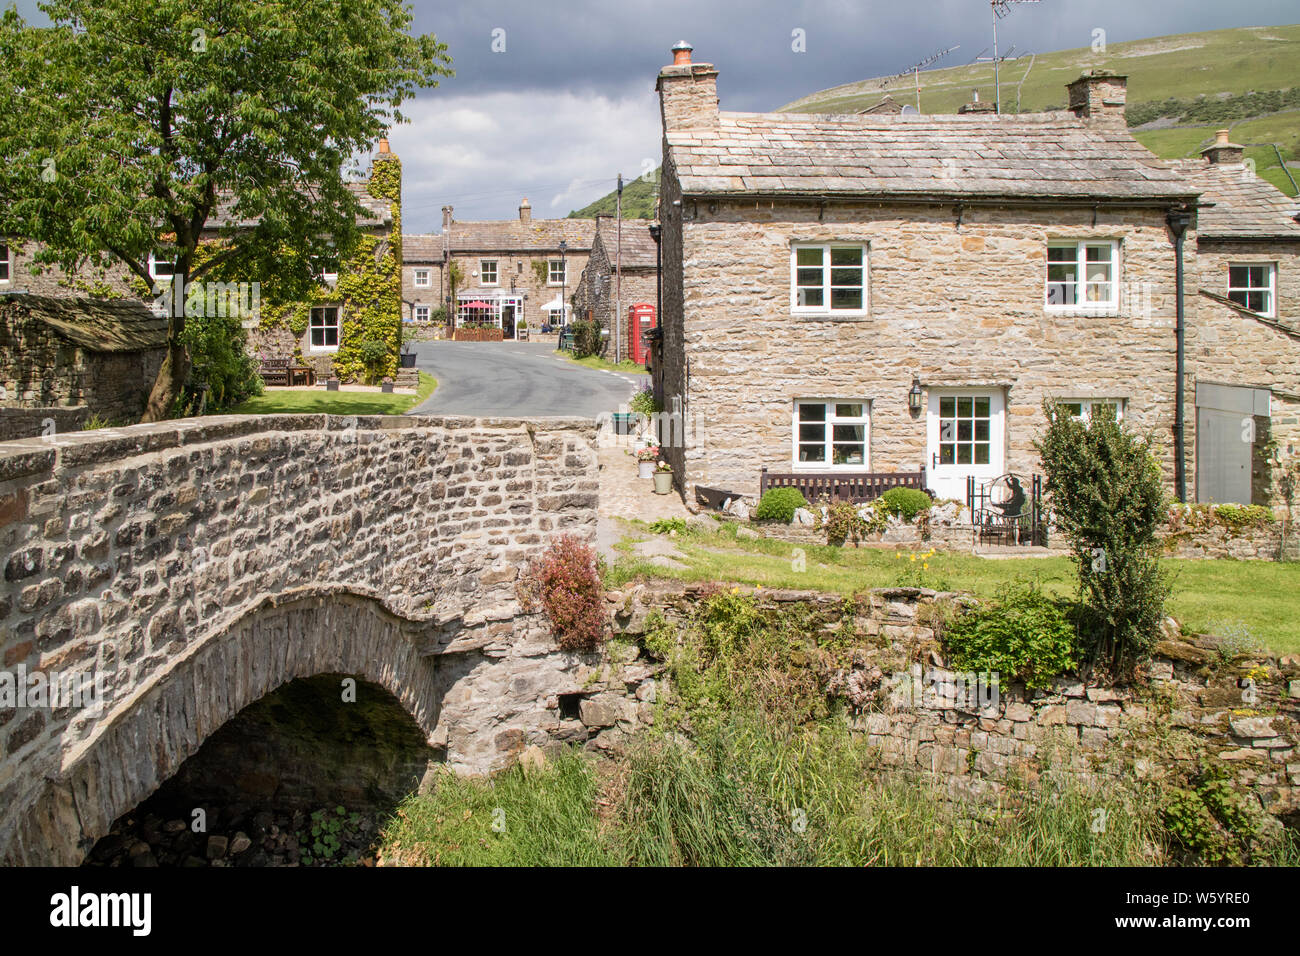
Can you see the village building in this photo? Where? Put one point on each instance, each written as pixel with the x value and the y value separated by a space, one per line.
pixel 898 295
pixel 355 299
pixel 512 275
pixel 64 361
pixel 626 285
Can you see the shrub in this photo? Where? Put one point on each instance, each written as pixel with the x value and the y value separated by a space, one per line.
pixel 220 361
pixel 1108 500
pixel 1022 635
pixel 780 504
pixel 587 339
pixel 566 582
pixel 844 524
pixel 907 503
pixel 643 402
pixel 668 525
pixel 373 355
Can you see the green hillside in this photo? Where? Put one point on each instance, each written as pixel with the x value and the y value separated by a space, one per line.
pixel 638 201
pixel 1181 89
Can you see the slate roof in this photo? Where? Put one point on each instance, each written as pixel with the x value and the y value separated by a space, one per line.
pixel 1243 205
pixel 1029 156
pixel 638 247
pixel 502 235
pixel 101 325
pixel 375 212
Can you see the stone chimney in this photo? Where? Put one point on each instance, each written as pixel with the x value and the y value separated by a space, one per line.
pixel 1223 151
pixel 525 211
pixel 1098 97
pixel 688 92
pixel 446 218
pixel 975 106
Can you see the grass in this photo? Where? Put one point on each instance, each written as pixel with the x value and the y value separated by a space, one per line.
pixel 595 361
pixel 1262 597
pixel 336 403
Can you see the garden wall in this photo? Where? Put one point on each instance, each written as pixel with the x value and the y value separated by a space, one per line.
pixel 1242 714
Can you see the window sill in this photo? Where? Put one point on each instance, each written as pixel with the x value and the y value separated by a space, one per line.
pixel 322 349
pixel 1103 312
pixel 830 316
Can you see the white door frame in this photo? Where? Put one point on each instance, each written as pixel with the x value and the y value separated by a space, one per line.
pixel 949 481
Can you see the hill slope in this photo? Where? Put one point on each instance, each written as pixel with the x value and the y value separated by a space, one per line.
pixel 1181 89
pixel 638 201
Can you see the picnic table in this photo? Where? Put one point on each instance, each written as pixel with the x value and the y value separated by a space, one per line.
pixel 282 372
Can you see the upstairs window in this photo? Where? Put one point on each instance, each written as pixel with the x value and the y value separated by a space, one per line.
pixel 324 328
pixel 828 278
pixel 487 272
pixel 162 266
pixel 421 278
pixel 555 272
pixel 831 434
pixel 1251 287
pixel 1083 276
pixel 326 267
pixel 4 263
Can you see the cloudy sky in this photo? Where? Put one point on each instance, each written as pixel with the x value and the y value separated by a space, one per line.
pixel 569 102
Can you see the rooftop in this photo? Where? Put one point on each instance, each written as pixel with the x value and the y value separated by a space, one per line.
pixel 502 235
pixel 1243 205
pixel 101 325
pixel 1031 156
pixel 638 247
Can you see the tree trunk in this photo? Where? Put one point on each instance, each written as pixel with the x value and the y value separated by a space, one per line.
pixel 175 368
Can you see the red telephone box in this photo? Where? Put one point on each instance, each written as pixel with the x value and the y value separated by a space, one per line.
pixel 640 319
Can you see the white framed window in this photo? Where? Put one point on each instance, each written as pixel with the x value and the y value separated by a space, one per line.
pixel 1252 286
pixel 831 433
pixel 324 328
pixel 421 278
pixel 420 313
pixel 161 266
pixel 555 271
pixel 487 272
pixel 326 268
pixel 1084 408
pixel 555 316
pixel 4 263
pixel 828 278
pixel 1083 275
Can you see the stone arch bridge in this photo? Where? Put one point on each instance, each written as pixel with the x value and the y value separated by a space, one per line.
pixel 191 567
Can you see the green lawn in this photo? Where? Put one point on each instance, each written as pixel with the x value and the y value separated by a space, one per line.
pixel 1262 597
pixel 593 361
pixel 336 403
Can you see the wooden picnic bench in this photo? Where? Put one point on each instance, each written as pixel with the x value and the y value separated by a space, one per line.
pixel 282 372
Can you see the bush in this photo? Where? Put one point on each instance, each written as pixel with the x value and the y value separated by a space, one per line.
pixel 1108 500
pixel 220 360
pixel 846 521
pixel 780 504
pixel 1022 635
pixel 566 582
pixel 907 503
pixel 587 339
pixel 643 402
pixel 373 354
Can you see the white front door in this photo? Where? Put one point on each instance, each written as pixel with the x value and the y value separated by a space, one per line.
pixel 964 437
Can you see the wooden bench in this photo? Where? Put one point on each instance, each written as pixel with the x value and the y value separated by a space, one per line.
pixel 275 371
pixel 842 486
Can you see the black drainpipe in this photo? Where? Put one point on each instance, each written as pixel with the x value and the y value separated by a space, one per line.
pixel 1179 219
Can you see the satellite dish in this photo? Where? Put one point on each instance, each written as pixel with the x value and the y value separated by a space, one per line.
pixel 910 111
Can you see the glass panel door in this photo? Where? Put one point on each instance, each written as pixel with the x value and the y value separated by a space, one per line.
pixel 965 437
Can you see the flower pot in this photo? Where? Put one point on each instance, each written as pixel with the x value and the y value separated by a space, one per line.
pixel 645 469
pixel 408 360
pixel 663 482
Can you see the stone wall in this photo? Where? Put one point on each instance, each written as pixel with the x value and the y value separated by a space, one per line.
pixel 1190 703
pixel 196 565
pixel 43 375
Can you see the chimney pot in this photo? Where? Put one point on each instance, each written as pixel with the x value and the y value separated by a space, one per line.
pixel 525 211
pixel 682 53
pixel 1223 150
pixel 383 146
pixel 688 92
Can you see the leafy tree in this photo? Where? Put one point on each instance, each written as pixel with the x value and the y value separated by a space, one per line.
pixel 1108 498
pixel 133 123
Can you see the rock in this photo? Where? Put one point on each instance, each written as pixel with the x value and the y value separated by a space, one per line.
pixel 239 843
pixel 1293 688
pixel 598 713
pixel 145 859
pixel 263 821
pixel 217 846
pixel 702 522
pixel 138 848
pixel 1253 727
pixel 804 518
pixel 739 509
pixel 174 826
pixel 656 547
pixel 647 692
pixel 532 760
pixel 660 561
pixel 743 532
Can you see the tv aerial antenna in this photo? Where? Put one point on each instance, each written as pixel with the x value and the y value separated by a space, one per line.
pixel 1000 8
pixel 916 68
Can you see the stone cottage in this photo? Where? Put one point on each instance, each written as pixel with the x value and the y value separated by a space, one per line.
pixel 848 294
pixel 356 298
pixel 64 360
pixel 602 293
pixel 511 271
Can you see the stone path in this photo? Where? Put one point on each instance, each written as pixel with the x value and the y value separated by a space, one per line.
pixel 624 496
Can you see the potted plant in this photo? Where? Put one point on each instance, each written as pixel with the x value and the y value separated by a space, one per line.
pixel 663 478
pixel 645 461
pixel 408 353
